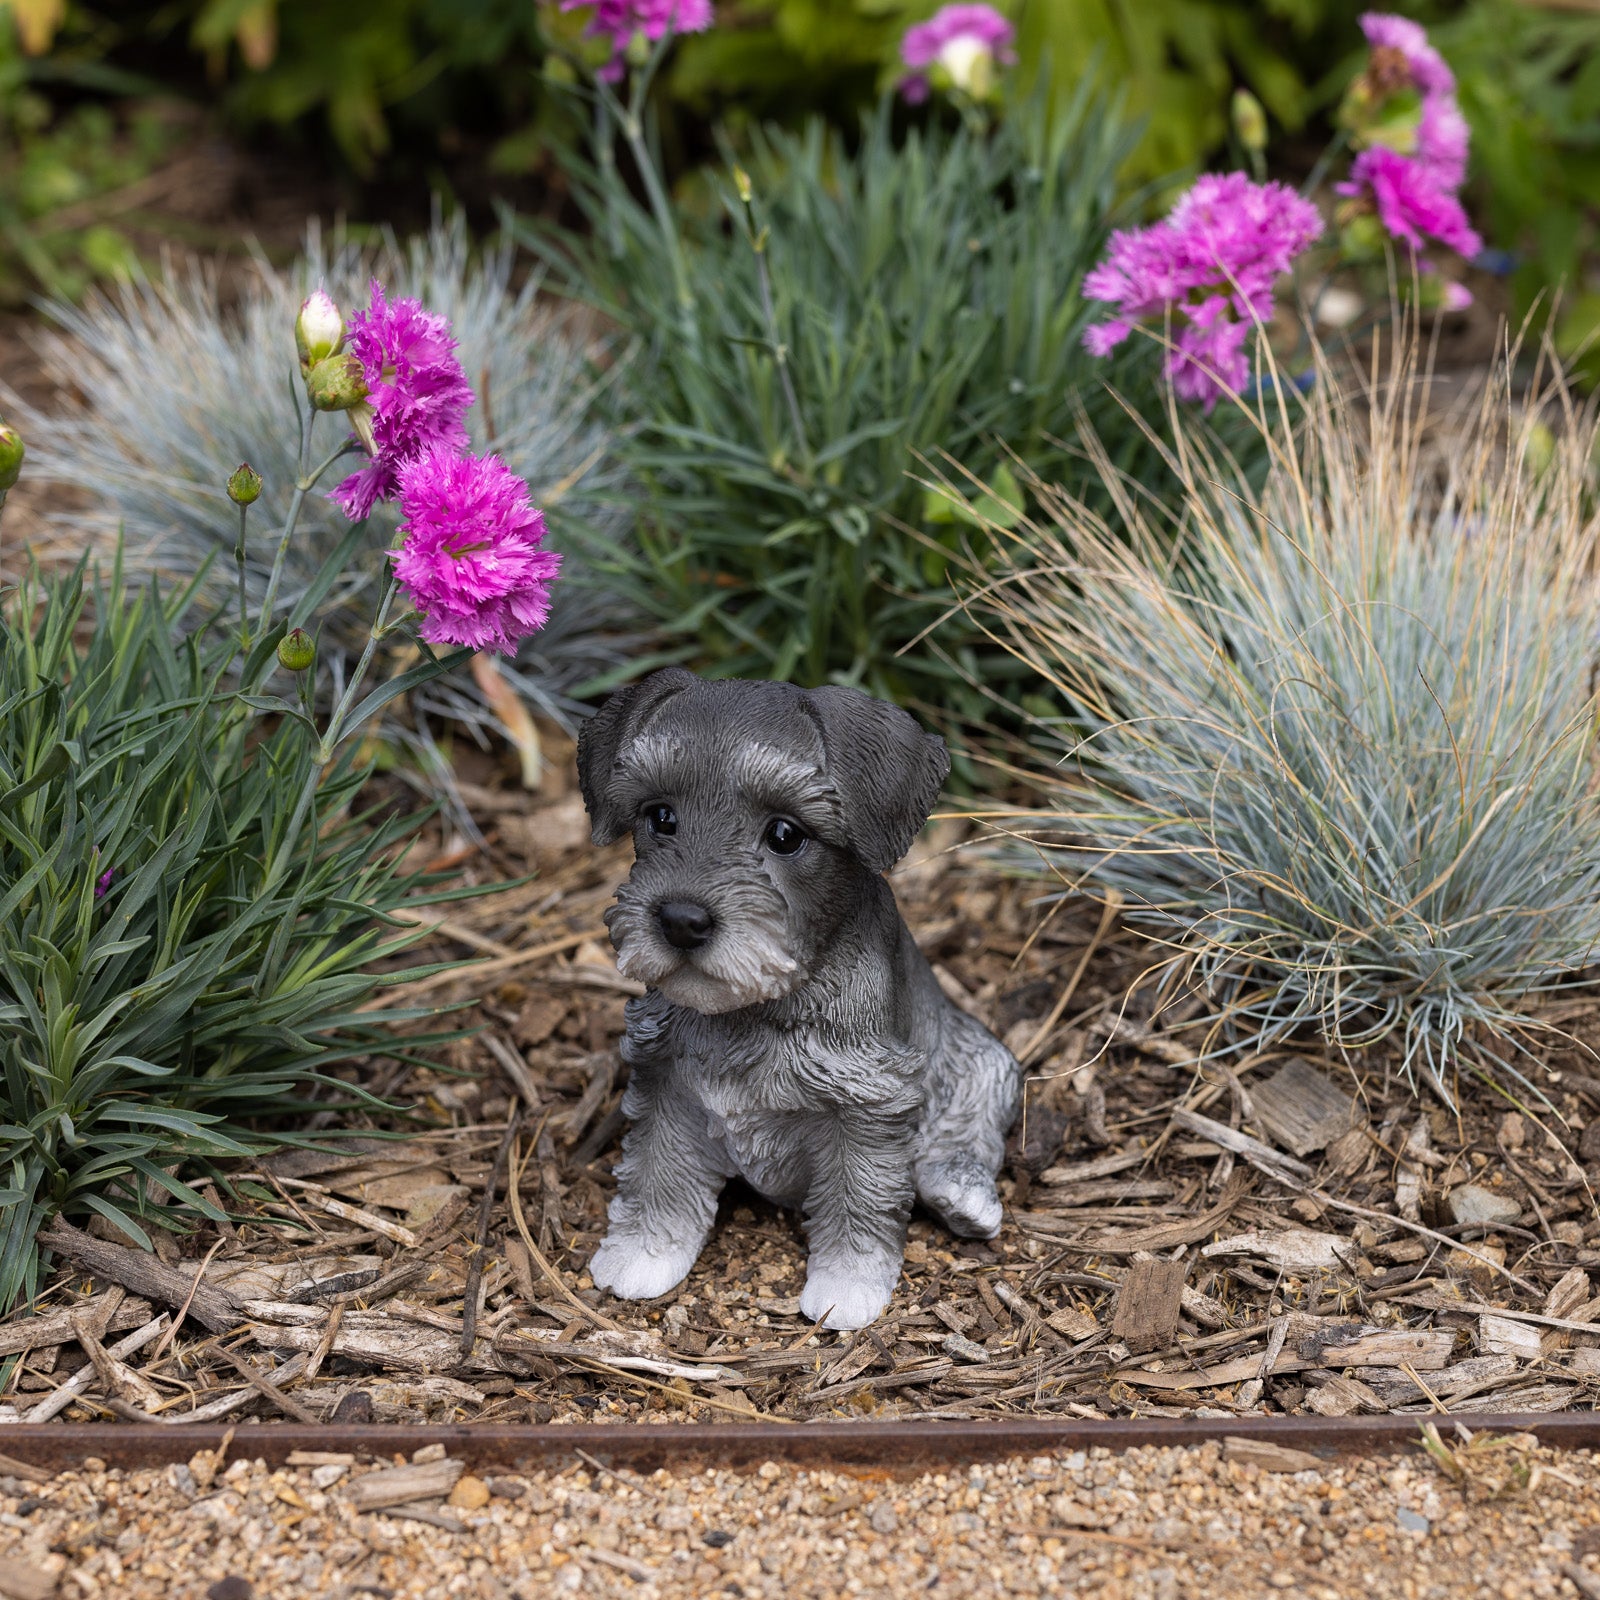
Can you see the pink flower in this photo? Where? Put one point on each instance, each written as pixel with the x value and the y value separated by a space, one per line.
pixel 1442 139
pixel 621 19
pixel 1402 56
pixel 471 557
pixel 1412 204
pixel 417 394
pixel 1212 264
pixel 965 40
pixel 103 883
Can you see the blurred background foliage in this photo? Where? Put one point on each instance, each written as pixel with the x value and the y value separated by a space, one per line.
pixel 455 95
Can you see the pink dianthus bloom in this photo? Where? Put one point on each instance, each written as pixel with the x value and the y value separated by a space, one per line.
pixel 1442 140
pixel 956 38
pixel 471 557
pixel 417 394
pixel 1212 263
pixel 619 20
pixel 1411 202
pixel 1405 44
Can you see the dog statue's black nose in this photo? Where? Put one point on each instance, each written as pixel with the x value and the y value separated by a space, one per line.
pixel 686 925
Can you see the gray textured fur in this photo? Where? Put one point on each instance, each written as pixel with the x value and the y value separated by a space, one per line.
pixel 807 1047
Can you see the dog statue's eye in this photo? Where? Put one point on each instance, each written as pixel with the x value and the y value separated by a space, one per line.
pixel 662 821
pixel 783 837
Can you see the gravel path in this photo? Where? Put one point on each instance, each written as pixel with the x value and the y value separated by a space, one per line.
pixel 1152 1524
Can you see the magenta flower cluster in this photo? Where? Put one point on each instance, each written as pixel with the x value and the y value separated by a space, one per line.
pixel 620 20
pixel 956 37
pixel 472 557
pixel 1414 191
pixel 470 560
pixel 1210 265
pixel 416 389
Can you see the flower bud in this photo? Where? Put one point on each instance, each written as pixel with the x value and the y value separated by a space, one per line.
pixel 1249 121
pixel 318 330
pixel 296 650
pixel 336 383
pixel 244 485
pixel 11 454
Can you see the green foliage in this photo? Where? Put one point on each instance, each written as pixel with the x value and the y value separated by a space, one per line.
pixel 184 1015
pixel 1530 86
pixel 63 174
pixel 796 353
pixel 1336 746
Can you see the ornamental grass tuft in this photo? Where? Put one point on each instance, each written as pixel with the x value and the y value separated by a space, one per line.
pixel 181 384
pixel 1332 738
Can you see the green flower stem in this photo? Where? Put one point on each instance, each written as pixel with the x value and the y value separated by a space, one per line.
pixel 308 420
pixel 328 746
pixel 769 315
pixel 630 119
pixel 244 602
pixel 1335 148
pixel 335 728
pixel 303 486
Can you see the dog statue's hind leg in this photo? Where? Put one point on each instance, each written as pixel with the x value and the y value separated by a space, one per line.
pixel 975 1086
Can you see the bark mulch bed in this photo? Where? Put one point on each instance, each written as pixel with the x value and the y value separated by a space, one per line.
pixel 1288 1235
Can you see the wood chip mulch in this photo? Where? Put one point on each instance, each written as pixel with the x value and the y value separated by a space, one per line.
pixel 1287 1233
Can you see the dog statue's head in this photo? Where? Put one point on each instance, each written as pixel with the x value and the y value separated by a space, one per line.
pixel 757 810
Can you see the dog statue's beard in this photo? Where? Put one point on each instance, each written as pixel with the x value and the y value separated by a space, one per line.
pixel 746 960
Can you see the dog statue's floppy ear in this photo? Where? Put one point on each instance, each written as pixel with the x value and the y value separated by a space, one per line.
pixel 601 740
pixel 886 770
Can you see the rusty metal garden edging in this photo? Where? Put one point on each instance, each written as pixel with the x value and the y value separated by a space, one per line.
pixel 868 1446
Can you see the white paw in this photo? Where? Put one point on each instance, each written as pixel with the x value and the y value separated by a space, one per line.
pixel 846 1300
pixel 963 1196
pixel 632 1270
pixel 970 1212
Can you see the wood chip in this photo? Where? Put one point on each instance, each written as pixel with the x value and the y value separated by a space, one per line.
pixel 1302 1109
pixel 394 1486
pixel 1295 1250
pixel 1272 1162
pixel 1342 1396
pixel 1268 1457
pixel 1508 1336
pixel 39 1333
pixel 1148 1305
pixel 11 1467
pixel 144 1274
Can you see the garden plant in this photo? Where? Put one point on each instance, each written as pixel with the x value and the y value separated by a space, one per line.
pixel 840 308
pixel 196 884
pixel 180 382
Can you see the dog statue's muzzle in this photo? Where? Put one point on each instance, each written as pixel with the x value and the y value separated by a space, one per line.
pixel 685 925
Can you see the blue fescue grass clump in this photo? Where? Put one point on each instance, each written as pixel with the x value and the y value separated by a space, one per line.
pixel 181 382
pixel 1333 738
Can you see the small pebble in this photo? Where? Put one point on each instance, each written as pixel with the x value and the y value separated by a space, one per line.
pixel 717 1538
pixel 1471 1202
pixel 883 1517
pixel 1411 1521
pixel 469 1494
pixel 232 1587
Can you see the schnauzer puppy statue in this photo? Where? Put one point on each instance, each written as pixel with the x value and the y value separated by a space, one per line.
pixel 791 1032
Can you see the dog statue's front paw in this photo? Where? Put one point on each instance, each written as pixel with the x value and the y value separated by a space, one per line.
pixel 632 1270
pixel 846 1300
